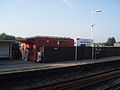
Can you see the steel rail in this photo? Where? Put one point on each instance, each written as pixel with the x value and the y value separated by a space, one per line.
pixel 75 83
pixel 114 85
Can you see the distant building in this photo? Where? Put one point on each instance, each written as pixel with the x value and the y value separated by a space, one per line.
pixel 117 44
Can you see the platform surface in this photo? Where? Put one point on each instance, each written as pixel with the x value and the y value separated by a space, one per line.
pixel 13 66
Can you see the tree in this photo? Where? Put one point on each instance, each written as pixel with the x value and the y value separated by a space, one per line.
pixel 20 38
pixel 110 41
pixel 4 36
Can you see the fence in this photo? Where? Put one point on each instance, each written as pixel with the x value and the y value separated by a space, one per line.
pixel 58 54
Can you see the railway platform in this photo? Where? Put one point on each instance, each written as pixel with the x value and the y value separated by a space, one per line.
pixel 13 66
pixel 17 74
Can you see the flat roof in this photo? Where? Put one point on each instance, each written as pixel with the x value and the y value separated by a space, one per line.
pixel 55 37
pixel 6 41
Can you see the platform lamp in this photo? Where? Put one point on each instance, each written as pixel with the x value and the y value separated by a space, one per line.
pixel 92 26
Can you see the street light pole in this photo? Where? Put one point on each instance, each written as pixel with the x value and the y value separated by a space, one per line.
pixel 92 32
pixel 76 51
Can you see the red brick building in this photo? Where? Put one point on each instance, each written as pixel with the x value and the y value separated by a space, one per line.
pixel 35 44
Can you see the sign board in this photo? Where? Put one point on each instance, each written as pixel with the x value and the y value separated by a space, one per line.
pixel 81 41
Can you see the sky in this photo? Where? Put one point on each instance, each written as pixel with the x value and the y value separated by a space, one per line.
pixel 66 18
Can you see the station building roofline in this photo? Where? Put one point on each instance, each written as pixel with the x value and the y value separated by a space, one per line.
pixel 46 37
pixel 7 41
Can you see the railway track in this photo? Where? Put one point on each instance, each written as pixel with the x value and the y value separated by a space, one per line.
pixel 65 78
pixel 85 83
pixel 109 83
pixel 113 87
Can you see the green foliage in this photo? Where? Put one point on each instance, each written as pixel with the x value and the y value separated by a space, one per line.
pixel 20 38
pixel 4 36
pixel 110 41
pixel 100 44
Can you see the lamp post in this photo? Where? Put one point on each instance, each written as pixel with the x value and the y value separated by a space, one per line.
pixel 76 49
pixel 92 26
